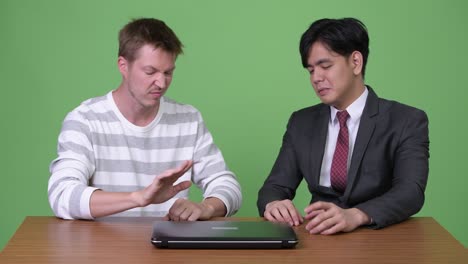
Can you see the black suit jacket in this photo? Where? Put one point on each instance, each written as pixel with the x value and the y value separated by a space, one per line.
pixel 389 165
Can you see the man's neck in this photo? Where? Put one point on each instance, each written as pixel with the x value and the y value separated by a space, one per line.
pixel 353 94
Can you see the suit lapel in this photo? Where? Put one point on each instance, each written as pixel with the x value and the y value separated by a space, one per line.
pixel 366 129
pixel 318 136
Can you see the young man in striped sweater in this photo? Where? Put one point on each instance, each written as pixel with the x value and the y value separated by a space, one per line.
pixel 135 152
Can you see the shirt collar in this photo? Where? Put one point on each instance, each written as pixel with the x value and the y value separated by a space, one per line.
pixel 354 110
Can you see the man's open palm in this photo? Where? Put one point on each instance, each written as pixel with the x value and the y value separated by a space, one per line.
pixel 162 188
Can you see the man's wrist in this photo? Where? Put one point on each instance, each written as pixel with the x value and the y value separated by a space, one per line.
pixel 364 219
pixel 137 199
pixel 207 210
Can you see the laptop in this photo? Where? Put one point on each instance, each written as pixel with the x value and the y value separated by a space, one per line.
pixel 223 234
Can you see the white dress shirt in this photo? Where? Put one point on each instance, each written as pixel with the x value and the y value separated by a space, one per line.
pixel 355 113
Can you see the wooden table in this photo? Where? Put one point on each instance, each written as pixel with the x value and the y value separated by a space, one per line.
pixel 42 239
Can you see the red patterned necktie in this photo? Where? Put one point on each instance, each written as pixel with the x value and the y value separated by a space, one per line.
pixel 339 168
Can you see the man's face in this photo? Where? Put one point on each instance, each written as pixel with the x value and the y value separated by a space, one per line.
pixel 333 76
pixel 148 77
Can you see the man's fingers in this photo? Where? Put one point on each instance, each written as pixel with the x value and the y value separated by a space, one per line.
pixel 185 166
pixel 286 214
pixel 273 214
pixel 325 224
pixel 294 214
pixel 313 214
pixel 268 216
pixel 333 229
pixel 297 218
pixel 174 174
pixel 283 214
pixel 318 206
pixel 175 215
pixel 194 216
pixel 176 209
pixel 318 219
pixel 283 211
pixel 330 226
pixel 185 210
pixel 277 216
pixel 182 186
pixel 185 214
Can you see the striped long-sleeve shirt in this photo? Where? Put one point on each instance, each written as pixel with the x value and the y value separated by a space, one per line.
pixel 99 149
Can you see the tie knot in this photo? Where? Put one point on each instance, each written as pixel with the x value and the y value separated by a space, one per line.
pixel 342 117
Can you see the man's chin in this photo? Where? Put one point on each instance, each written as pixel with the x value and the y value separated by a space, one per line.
pixel 152 103
pixel 326 100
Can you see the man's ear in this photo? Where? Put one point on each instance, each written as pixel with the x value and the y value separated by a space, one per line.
pixel 357 62
pixel 123 65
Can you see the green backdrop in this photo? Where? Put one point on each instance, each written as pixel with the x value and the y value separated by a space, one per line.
pixel 241 69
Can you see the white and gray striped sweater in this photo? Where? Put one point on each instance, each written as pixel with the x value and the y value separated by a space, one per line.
pixel 99 149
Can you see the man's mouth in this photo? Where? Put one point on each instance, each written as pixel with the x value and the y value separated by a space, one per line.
pixel 323 91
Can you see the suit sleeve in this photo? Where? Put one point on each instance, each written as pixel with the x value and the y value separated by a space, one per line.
pixel 285 175
pixel 410 173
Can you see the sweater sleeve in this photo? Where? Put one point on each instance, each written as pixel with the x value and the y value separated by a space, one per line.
pixel 69 192
pixel 211 174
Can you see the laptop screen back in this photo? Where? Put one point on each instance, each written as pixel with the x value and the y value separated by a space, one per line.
pixel 222 234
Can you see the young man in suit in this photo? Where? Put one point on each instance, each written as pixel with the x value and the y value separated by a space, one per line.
pixel 365 159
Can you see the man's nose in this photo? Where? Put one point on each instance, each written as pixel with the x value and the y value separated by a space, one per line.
pixel 316 77
pixel 160 80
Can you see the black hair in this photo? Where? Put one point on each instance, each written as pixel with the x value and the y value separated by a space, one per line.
pixel 343 36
